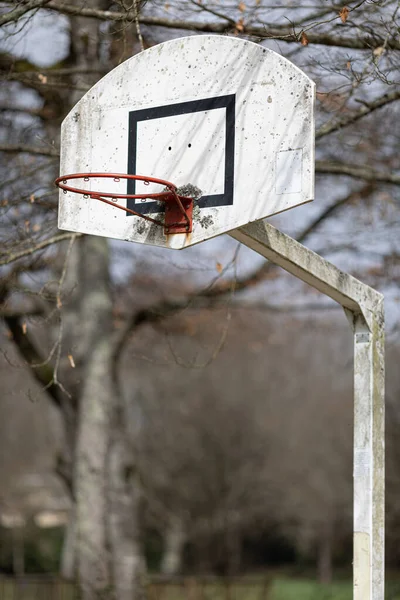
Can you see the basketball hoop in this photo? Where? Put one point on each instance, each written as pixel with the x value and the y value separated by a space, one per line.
pixel 178 209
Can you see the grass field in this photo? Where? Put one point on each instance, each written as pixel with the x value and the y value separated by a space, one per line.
pixel 192 589
pixel 278 589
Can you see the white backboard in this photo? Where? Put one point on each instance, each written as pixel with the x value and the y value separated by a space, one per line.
pixel 226 115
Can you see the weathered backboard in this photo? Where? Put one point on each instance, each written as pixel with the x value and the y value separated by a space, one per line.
pixel 226 115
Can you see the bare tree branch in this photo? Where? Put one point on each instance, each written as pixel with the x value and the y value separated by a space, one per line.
pixel 12 257
pixel 213 12
pixel 285 308
pixel 33 112
pixel 20 314
pixel 352 118
pixel 286 34
pixel 43 373
pixel 357 171
pixel 31 79
pixel 364 192
pixel 20 10
pixel 16 148
pixel 200 299
pixel 58 72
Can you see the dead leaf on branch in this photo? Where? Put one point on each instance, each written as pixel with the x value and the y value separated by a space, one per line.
pixel 71 361
pixel 344 14
pixel 332 101
pixel 42 78
pixel 240 26
pixel 376 270
pixel 242 7
pixel 304 39
pixel 379 51
pixel 219 267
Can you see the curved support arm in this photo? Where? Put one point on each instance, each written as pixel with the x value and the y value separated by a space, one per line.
pixel 364 309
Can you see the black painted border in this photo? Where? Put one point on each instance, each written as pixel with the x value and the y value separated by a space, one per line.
pixel 227 102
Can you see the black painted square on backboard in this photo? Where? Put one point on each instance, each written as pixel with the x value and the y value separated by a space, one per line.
pixel 206 104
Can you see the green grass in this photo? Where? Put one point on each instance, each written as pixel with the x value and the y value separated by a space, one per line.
pixel 279 589
pixel 296 589
pixel 309 590
pixel 190 589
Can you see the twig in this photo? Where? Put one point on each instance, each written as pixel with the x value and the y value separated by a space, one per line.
pixel 59 306
pixel 221 341
pixel 205 8
pixel 137 23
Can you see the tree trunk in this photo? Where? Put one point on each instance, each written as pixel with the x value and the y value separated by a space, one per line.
pixel 174 543
pixel 108 558
pixel 324 558
pixel 90 477
pixel 94 420
pixel 125 500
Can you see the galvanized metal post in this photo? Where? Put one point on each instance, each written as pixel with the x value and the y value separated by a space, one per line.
pixel 364 309
pixel 369 455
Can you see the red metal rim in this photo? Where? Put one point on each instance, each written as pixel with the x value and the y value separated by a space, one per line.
pixel 62 181
pixel 181 222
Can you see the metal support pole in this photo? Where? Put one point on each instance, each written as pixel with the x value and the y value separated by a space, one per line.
pixel 364 309
pixel 369 456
